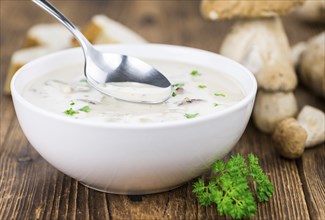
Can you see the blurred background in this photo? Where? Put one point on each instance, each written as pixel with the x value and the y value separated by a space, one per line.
pixel 168 22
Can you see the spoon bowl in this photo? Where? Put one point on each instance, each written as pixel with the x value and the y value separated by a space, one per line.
pixel 126 78
pixel 120 76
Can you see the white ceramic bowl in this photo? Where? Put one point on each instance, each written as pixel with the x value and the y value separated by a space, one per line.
pixel 134 159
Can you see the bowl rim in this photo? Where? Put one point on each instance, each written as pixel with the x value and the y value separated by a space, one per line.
pixel 250 96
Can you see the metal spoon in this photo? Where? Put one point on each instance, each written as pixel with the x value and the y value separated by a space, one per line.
pixel 122 77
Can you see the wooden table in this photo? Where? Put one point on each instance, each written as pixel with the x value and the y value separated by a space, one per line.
pixel 30 188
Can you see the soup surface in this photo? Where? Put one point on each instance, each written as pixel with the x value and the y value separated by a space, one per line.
pixel 197 92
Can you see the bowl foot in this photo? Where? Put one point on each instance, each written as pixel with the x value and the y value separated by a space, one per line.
pixel 132 192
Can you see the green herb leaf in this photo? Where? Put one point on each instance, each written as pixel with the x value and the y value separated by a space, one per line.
pixel 215 104
pixel 202 86
pixel 220 94
pixel 264 188
pixel 72 103
pixel 195 73
pixel 228 187
pixel 83 80
pixel 70 112
pixel 85 109
pixel 174 94
pixel 189 116
pixel 178 85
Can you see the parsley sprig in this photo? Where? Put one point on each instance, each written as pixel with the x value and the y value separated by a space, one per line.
pixel 264 189
pixel 229 187
pixel 72 112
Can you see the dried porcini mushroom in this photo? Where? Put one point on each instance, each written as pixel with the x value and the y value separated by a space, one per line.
pixel 313 121
pixel 290 138
pixel 179 90
pixel 221 9
pixel 311 65
pixel 88 101
pixel 261 45
pixel 271 108
pixel 189 101
pixel 312 11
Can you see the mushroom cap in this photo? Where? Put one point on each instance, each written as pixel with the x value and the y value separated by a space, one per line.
pixel 312 11
pixel 220 9
pixel 313 121
pixel 290 138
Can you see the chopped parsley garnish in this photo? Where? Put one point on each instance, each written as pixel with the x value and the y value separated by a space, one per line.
pixel 215 104
pixel 189 116
pixel 178 85
pixel 229 187
pixel 195 73
pixel 220 94
pixel 85 109
pixel 174 94
pixel 202 86
pixel 83 80
pixel 70 112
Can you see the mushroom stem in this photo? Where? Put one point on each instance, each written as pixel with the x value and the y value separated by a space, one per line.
pixel 262 46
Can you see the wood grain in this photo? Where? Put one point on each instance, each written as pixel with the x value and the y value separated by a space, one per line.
pixel 312 172
pixel 30 188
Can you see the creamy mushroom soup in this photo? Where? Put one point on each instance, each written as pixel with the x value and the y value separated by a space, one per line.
pixel 197 91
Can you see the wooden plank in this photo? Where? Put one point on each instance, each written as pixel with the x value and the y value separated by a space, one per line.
pixel 288 201
pixel 44 185
pixel 312 171
pixel 311 165
pixel 7 115
pixel 14 166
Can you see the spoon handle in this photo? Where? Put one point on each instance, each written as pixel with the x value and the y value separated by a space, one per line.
pixel 86 46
